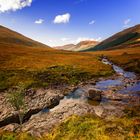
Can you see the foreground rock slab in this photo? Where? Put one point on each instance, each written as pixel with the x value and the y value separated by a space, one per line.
pixel 35 102
pixel 44 122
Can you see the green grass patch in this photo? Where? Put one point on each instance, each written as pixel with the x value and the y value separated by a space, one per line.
pixel 93 128
pixel 14 136
pixel 58 75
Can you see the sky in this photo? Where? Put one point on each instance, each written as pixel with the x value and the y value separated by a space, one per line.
pixel 60 22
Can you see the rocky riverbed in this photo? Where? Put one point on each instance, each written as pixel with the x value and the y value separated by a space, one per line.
pixel 106 98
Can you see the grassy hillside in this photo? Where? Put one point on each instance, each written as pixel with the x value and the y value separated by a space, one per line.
pixel 126 38
pixel 12 38
pixel 127 58
pixel 83 45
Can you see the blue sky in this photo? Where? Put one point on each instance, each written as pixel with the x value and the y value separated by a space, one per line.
pixel 59 22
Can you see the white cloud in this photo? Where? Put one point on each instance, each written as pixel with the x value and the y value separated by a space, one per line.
pixel 79 39
pixel 62 18
pixel 13 5
pixel 66 40
pixel 126 23
pixel 91 22
pixel 39 21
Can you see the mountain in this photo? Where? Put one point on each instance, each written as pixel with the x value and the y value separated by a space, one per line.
pixel 127 38
pixel 85 45
pixel 67 47
pixel 13 39
pixel 78 47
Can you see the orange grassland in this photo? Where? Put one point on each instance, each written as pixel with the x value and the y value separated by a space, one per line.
pixel 39 58
pixel 28 64
pixel 43 67
pixel 128 58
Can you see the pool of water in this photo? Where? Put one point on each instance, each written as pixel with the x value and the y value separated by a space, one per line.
pixel 78 93
pixel 134 88
pixel 104 85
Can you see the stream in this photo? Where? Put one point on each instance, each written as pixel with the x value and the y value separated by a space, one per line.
pixel 106 99
pixel 123 87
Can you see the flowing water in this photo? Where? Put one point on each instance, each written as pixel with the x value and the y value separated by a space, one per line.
pixel 122 79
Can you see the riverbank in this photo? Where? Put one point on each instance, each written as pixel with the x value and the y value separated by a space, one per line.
pixel 105 99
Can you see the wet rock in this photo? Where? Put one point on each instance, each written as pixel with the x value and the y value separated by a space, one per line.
pixel 135 100
pixel 6 109
pixel 95 95
pixel 111 95
pixel 45 122
pixel 93 83
pixel 99 110
pixel 10 127
pixel 35 102
pixel 30 92
pixel 111 110
pixel 9 119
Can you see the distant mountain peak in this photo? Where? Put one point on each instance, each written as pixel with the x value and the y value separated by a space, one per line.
pixel 78 47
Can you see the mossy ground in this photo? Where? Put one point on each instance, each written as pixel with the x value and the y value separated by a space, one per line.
pixel 14 136
pixel 91 128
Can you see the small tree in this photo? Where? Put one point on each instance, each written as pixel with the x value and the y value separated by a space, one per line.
pixel 16 98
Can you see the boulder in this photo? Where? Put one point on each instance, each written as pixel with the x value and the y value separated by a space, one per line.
pixel 95 95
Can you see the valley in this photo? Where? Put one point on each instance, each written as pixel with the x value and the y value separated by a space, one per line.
pixel 68 93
